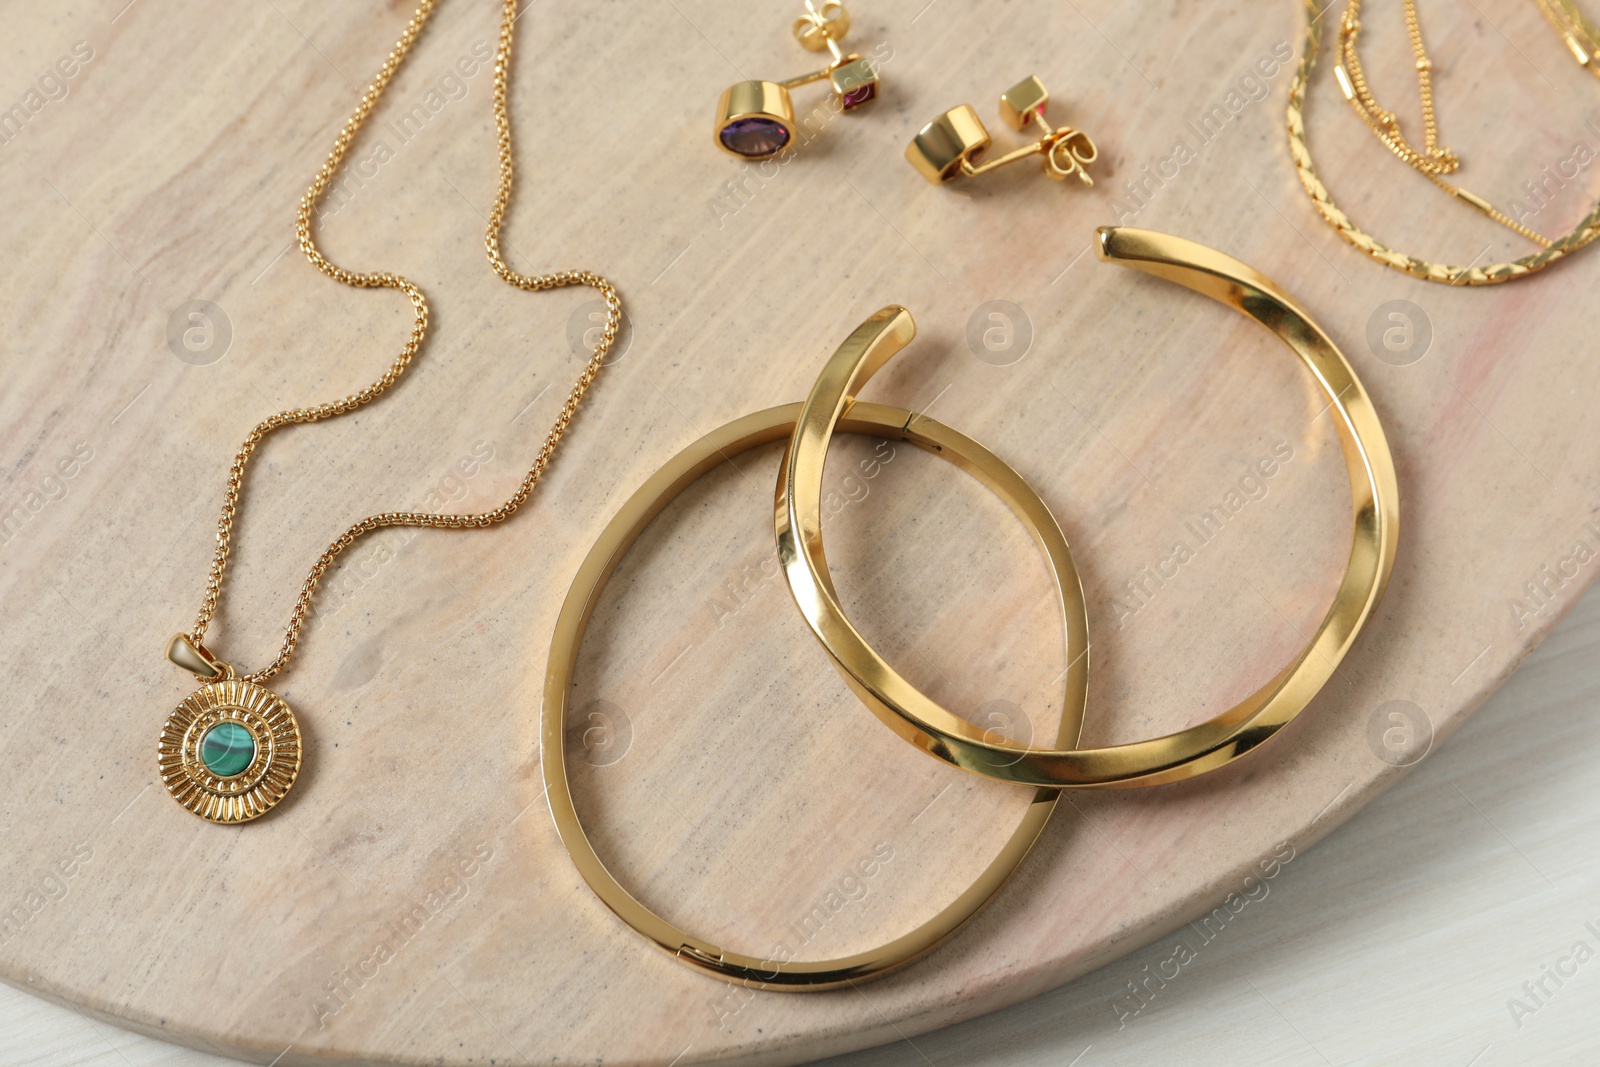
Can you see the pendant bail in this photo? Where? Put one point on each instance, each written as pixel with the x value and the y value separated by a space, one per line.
pixel 197 659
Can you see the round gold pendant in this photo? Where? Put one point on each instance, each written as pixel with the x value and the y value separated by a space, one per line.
pixel 230 751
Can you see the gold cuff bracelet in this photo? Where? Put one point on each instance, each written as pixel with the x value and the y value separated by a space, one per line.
pixel 645 504
pixel 1173 757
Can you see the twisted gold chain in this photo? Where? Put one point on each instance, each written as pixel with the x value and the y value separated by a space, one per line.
pixel 1305 167
pixel 385 280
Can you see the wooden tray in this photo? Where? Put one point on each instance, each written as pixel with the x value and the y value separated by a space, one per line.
pixel 410 902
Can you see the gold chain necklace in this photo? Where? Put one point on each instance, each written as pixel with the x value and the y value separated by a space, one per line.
pixel 1353 80
pixel 1433 159
pixel 1581 36
pixel 232 750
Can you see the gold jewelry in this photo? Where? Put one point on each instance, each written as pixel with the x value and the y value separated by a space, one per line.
pixel 918 719
pixel 1435 159
pixel 755 119
pixel 645 504
pixel 952 144
pixel 231 751
pixel 1352 83
pixel 1580 35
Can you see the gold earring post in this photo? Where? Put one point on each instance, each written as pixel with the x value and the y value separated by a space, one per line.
pixel 755 119
pixel 953 143
pixel 821 29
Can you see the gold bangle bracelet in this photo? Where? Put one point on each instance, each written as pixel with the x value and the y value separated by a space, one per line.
pixel 1173 757
pixel 645 504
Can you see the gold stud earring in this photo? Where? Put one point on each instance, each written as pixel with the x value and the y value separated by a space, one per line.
pixel 755 119
pixel 952 144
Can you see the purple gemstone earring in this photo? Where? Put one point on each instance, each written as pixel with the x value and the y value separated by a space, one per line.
pixel 755 119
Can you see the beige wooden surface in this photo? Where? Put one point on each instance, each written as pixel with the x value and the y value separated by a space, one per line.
pixel 734 783
pixel 1405 937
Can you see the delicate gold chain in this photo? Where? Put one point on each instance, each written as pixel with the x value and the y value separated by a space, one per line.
pixel 1581 36
pixel 1434 159
pixel 1383 122
pixel 1305 167
pixel 319 185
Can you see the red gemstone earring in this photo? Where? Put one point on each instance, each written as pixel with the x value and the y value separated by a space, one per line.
pixel 755 119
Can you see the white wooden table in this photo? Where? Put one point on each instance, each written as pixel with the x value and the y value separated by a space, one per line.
pixel 164 173
pixel 1406 937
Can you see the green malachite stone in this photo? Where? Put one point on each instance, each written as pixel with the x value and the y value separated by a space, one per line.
pixel 227 749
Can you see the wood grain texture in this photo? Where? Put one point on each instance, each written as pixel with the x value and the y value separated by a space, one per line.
pixel 730 779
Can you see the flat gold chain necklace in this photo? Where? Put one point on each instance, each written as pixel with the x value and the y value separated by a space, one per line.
pixel 232 750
